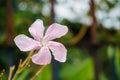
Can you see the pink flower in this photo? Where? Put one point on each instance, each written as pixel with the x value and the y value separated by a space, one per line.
pixel 43 43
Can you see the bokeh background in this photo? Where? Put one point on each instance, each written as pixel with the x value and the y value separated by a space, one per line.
pixel 93 40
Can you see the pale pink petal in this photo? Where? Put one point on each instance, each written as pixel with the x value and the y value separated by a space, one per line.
pixel 55 31
pixel 58 50
pixel 43 57
pixel 25 43
pixel 37 29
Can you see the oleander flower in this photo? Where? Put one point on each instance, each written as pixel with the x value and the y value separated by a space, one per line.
pixel 42 42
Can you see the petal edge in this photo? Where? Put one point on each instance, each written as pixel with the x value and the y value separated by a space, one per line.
pixel 37 29
pixel 25 43
pixel 55 31
pixel 43 57
pixel 58 50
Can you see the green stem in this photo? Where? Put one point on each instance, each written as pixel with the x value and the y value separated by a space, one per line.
pixel 27 59
pixel 23 65
pixel 1 74
pixel 17 72
pixel 40 70
pixel 11 72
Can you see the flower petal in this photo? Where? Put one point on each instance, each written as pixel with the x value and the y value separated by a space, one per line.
pixel 37 29
pixel 43 57
pixel 55 31
pixel 25 43
pixel 58 50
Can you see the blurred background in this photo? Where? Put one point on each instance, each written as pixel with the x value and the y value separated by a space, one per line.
pixel 93 40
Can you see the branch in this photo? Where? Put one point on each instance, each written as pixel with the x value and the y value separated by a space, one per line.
pixel 79 36
pixel 11 72
pixel 40 70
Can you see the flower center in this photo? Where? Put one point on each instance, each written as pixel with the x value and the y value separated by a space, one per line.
pixel 44 43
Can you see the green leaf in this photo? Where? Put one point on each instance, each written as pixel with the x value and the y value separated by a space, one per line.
pixel 24 74
pixel 117 60
pixel 45 74
pixel 81 71
pixel 110 51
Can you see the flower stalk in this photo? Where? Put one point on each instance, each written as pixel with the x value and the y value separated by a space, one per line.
pixel 11 72
pixel 1 74
pixel 23 65
pixel 38 72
